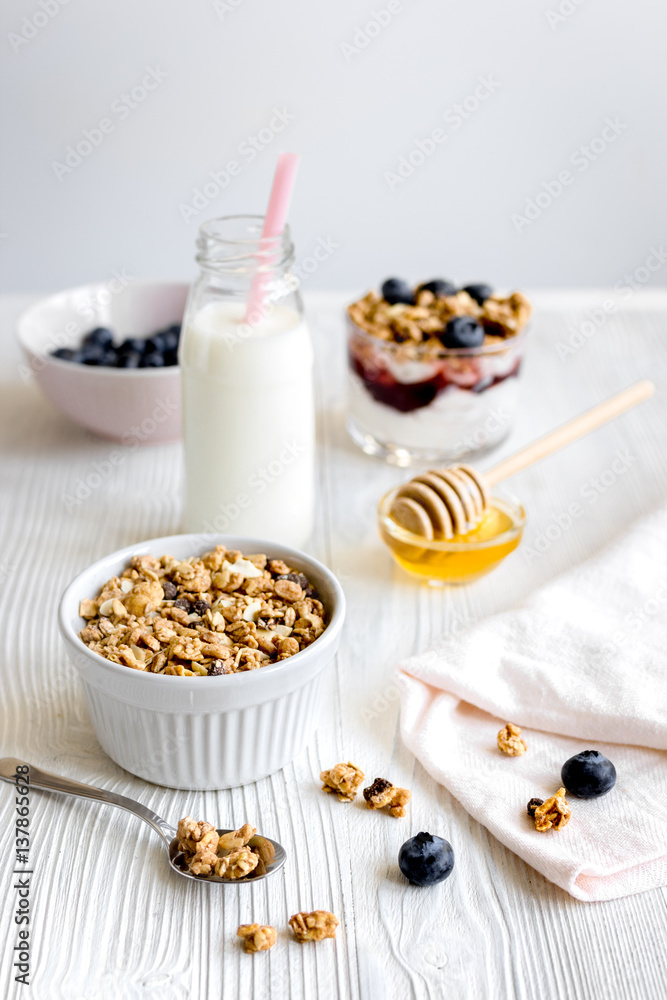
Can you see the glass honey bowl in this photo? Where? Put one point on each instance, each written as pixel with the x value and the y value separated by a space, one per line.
pixel 463 558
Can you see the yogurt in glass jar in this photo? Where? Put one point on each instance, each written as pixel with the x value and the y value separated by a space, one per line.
pixel 418 395
pixel 248 400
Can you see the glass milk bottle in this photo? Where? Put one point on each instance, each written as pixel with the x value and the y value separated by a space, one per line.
pixel 248 402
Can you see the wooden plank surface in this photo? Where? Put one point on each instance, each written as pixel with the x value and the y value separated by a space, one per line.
pixel 109 920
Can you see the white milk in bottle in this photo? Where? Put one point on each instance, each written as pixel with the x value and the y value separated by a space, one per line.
pixel 248 404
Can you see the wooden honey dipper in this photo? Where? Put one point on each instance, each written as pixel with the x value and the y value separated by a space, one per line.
pixel 445 502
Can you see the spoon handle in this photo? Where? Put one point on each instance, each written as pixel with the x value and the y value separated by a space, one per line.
pixel 37 778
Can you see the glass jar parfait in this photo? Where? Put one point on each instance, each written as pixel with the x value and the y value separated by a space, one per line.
pixel 413 399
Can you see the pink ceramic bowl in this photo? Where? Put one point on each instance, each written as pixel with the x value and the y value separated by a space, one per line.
pixel 141 405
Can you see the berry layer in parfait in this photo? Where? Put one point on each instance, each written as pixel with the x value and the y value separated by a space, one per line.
pixel 434 369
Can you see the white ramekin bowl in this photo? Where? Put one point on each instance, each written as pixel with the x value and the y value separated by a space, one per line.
pixel 203 732
pixel 134 406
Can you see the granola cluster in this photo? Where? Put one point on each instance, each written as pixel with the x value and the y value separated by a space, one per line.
pixel 314 926
pixel 510 742
pixel 343 779
pixel 418 327
pixel 230 855
pixel 552 814
pixel 218 613
pixel 382 794
pixel 257 937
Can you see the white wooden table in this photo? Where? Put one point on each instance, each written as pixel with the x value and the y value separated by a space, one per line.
pixel 109 918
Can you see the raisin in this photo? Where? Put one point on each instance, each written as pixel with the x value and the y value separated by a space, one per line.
pixel 532 806
pixel 296 578
pixel 216 668
pixel 199 607
pixel 379 786
pixel 182 603
pixel 170 590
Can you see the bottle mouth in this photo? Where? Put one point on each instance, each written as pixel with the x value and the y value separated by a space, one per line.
pixel 236 241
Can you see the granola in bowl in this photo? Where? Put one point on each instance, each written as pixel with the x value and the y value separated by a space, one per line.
pixel 220 613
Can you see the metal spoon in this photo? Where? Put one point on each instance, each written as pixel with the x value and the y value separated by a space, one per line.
pixel 37 778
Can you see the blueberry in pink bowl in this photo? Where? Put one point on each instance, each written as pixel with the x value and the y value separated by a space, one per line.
pixel 434 369
pixel 100 347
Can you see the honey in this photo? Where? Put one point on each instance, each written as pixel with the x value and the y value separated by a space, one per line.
pixel 463 558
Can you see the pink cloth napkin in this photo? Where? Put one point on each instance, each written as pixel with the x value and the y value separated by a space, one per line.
pixel 582 665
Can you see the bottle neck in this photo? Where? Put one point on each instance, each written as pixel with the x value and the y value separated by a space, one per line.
pixel 240 266
pixel 234 246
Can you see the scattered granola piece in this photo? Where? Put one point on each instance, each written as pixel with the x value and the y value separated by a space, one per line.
pixel 238 838
pixel 237 863
pixel 343 779
pixel 257 937
pixel 383 794
pixel 554 813
pixel 313 926
pixel 509 741
pixel 532 806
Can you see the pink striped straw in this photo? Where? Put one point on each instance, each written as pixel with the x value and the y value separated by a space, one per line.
pixel 274 224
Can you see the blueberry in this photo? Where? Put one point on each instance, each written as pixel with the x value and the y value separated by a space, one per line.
pixel 171 357
pixel 439 287
pixel 425 859
pixel 394 291
pixel 100 337
pixel 130 359
pixel 463 331
pixel 480 293
pixel 64 353
pixel 108 359
pixel 588 774
pixel 132 345
pixel 154 343
pixel 170 338
pixel 92 354
pixel 152 359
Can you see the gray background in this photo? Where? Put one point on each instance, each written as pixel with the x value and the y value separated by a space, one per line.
pixel 356 111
